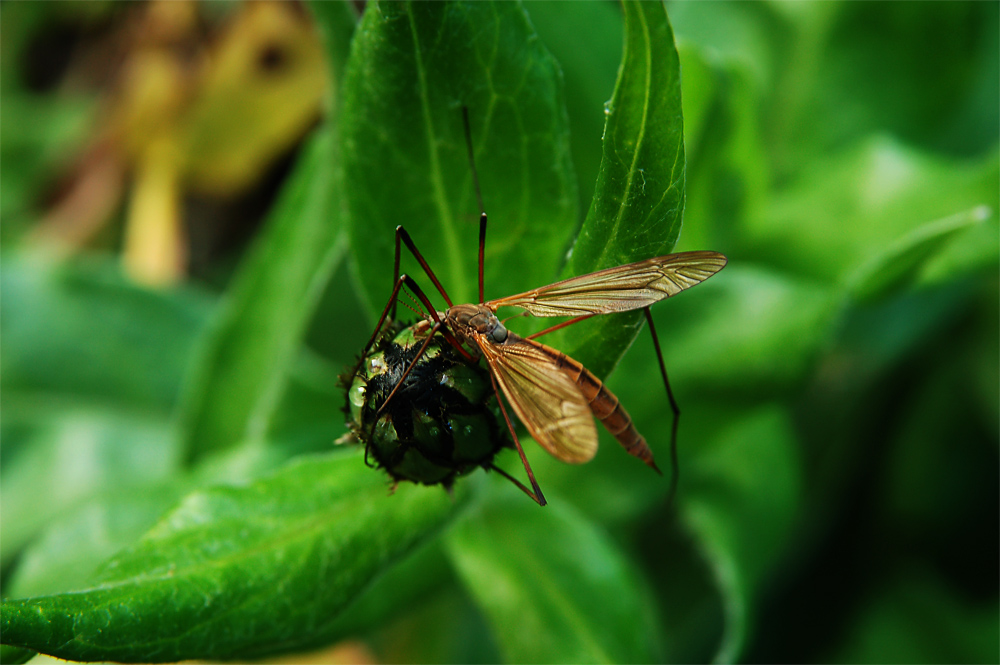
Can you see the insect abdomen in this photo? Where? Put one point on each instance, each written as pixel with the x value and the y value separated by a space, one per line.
pixel 606 408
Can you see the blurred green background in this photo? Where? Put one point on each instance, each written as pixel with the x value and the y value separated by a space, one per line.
pixel 196 213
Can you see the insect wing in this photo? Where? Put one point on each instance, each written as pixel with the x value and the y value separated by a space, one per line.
pixel 543 396
pixel 618 289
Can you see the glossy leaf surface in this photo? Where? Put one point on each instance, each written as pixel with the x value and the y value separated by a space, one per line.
pixel 413 67
pixel 639 195
pixel 238 571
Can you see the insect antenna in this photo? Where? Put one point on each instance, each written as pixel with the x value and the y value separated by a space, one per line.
pixel 479 197
pixel 414 307
pixel 674 466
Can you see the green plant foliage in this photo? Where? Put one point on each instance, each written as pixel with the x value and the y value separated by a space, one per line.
pixel 170 484
pixel 639 195
pixel 586 605
pixel 413 68
pixel 83 330
pixel 321 529
pixel 238 380
pixel 872 195
pixel 90 370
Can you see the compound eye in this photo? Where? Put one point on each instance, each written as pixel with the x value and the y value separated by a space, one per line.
pixel 499 333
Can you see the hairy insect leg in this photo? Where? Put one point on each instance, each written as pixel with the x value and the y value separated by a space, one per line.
pixel 537 494
pixel 673 406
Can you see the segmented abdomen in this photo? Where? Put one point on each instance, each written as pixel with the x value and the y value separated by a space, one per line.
pixel 606 408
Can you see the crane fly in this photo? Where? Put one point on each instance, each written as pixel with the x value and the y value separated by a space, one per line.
pixel 554 396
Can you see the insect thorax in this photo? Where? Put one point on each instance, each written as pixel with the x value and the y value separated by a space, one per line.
pixel 443 421
pixel 463 320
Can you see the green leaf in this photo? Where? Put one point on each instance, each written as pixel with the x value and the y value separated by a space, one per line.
pixel 58 454
pixel 239 572
pixel 15 656
pixel 66 555
pixel 728 166
pixel 401 587
pixel 241 367
pixel 412 69
pixel 944 438
pixel 841 212
pixel 972 252
pixel 310 415
pixel 874 70
pixel 70 549
pixel 418 636
pixel 37 134
pixel 751 332
pixel 554 587
pixel 336 21
pixel 639 196
pixel 739 499
pixel 91 365
pixel 914 618
pixel 589 74
pixel 82 329
pixel 903 260
pixel 742 34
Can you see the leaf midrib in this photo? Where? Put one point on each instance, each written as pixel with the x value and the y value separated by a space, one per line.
pixel 305 528
pixel 440 197
pixel 630 178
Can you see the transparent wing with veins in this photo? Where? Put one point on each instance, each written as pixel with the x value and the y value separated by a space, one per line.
pixel 544 397
pixel 618 289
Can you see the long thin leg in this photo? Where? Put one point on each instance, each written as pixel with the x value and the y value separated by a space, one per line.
pixel 537 494
pixel 472 159
pixel 390 305
pixel 673 406
pixel 575 319
pixel 482 253
pixel 479 196
pixel 518 483
pixel 413 286
pixel 409 368
pixel 402 235
pixel 395 273
pixel 402 379
pixel 437 327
